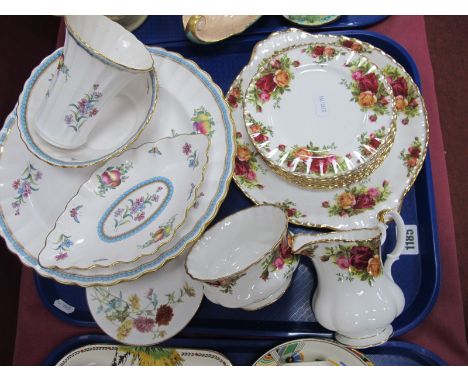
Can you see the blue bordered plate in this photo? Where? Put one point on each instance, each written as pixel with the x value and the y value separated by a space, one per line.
pixel 120 124
pixel 196 105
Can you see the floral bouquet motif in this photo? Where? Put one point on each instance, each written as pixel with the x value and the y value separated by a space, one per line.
pixel 247 165
pixel 84 109
pixel 321 53
pixel 361 261
pixel 279 258
pixel 411 156
pixel 371 142
pixel 25 185
pixel 272 81
pixel 357 199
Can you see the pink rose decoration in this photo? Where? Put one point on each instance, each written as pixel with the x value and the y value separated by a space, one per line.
pixel 343 262
pixel 278 263
pixel 357 75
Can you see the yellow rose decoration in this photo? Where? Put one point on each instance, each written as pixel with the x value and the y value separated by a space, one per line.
pixel 373 267
pixel 302 153
pixel 346 200
pixel 367 99
pixel 401 102
pixel 134 302
pixel 281 78
pixel 328 51
pixel 124 330
pixel 243 153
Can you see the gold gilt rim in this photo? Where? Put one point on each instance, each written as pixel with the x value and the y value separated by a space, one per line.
pixel 108 346
pixel 142 255
pixel 93 51
pixel 340 232
pixel 395 63
pixel 353 352
pixel 92 162
pixel 273 247
pixel 191 29
pixel 188 243
pixel 189 318
pixel 339 180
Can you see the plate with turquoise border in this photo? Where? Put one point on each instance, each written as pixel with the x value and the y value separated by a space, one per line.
pixel 196 105
pixel 134 106
pixel 129 207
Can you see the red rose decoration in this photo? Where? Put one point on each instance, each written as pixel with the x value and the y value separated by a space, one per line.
pixel 242 167
pixel 266 83
pixel 164 315
pixel 360 257
pixel 414 152
pixel 260 138
pixel 400 87
pixel 369 83
pixel 374 142
pixel 347 43
pixel 318 50
pixel 232 101
pixel 319 165
pixel 364 201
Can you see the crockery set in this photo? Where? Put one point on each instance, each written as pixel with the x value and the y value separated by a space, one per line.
pixel 118 156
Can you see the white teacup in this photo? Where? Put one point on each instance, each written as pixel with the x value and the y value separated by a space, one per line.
pixel 99 59
pixel 245 258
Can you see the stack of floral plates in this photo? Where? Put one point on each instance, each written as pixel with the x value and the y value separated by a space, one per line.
pixel 332 129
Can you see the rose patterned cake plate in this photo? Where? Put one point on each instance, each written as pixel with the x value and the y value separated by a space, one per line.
pixel 309 108
pixel 134 107
pixel 129 207
pixel 122 355
pixel 358 204
pixel 312 351
pixel 149 310
pixel 27 184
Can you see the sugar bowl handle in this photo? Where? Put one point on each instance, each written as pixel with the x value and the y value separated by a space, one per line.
pixel 400 238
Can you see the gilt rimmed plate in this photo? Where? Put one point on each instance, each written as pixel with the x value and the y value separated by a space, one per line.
pixel 134 106
pixel 149 310
pixel 308 109
pixel 129 207
pixel 312 351
pixel 200 107
pixel 122 355
pixel 354 206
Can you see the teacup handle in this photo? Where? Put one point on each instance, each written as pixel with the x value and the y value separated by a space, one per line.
pixel 400 238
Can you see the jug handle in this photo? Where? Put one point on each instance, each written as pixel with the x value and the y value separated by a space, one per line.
pixel 400 238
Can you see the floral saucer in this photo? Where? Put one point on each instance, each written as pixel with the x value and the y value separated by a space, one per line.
pixel 309 108
pixel 312 350
pixel 130 207
pixel 134 107
pixel 27 215
pixel 358 204
pixel 122 355
pixel 149 310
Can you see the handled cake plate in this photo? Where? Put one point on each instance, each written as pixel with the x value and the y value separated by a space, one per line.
pixel 348 207
pixel 134 106
pixel 27 183
pixel 308 109
pixel 129 207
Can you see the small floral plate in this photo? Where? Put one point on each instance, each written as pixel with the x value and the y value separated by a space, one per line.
pixel 130 207
pixel 358 204
pixel 122 355
pixel 149 310
pixel 312 351
pixel 308 108
pixel 311 20
pixel 134 107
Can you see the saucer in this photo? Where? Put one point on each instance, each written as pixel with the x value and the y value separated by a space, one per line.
pixel 121 355
pixel 199 108
pixel 309 350
pixel 354 206
pixel 129 207
pixel 149 310
pixel 309 106
pixel 134 106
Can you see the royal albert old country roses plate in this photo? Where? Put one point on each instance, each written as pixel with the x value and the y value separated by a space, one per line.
pixel 149 310
pixel 129 207
pixel 193 103
pixel 123 355
pixel 308 109
pixel 358 204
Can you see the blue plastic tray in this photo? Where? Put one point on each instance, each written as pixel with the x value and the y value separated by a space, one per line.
pixel 246 352
pixel 158 30
pixel 291 316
